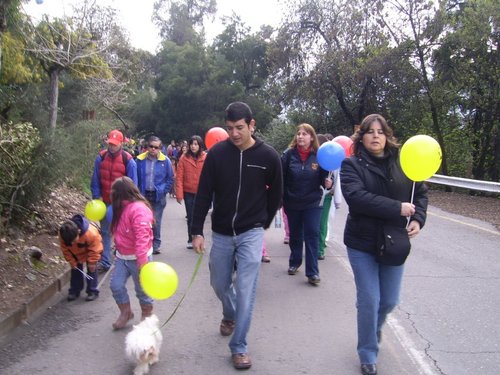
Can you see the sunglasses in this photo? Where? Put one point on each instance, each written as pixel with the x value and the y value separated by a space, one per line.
pixel 155 147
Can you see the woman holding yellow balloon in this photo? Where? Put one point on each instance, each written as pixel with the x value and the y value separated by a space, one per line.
pixel 379 196
pixel 133 234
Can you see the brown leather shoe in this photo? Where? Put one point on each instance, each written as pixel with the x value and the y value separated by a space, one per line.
pixel 241 361
pixel 227 327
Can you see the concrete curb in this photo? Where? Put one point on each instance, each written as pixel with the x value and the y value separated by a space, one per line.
pixel 35 305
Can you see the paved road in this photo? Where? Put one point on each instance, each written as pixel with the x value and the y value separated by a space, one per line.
pixel 443 326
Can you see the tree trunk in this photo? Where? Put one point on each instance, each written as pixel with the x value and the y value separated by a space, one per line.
pixel 53 99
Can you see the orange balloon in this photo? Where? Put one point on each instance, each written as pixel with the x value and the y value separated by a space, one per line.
pixel 215 135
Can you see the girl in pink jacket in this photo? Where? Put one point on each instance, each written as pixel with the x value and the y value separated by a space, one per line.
pixel 133 235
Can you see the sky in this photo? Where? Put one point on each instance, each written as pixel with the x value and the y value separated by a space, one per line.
pixel 135 16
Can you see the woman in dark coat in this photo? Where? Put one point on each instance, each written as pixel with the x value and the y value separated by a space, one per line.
pixel 377 193
pixel 302 179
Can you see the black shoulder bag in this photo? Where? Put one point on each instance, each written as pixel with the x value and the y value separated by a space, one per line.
pixel 393 246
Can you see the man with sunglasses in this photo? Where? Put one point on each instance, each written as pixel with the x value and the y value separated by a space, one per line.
pixel 155 177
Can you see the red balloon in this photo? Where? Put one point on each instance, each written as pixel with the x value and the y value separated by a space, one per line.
pixel 215 135
pixel 346 144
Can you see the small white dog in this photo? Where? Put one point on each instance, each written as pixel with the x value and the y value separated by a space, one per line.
pixel 143 343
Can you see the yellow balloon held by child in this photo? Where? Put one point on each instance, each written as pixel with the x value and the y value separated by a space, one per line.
pixel 420 157
pixel 95 210
pixel 158 280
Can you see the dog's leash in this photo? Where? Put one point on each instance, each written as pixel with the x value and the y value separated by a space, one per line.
pixel 195 272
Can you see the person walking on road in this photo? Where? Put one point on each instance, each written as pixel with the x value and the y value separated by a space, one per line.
pixel 243 177
pixel 378 194
pixel 328 212
pixel 110 164
pixel 81 243
pixel 188 177
pixel 303 178
pixel 155 178
pixel 132 229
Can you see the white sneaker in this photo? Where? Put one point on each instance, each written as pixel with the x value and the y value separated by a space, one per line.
pixel 189 245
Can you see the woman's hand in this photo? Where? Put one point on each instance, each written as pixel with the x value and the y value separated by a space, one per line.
pixel 407 209
pixel 413 228
pixel 328 183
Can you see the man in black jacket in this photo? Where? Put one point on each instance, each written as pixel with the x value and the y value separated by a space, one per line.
pixel 243 177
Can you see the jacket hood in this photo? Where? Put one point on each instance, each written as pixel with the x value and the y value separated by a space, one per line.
pixel 81 222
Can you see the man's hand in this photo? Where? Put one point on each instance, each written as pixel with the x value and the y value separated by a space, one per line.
pixel 198 243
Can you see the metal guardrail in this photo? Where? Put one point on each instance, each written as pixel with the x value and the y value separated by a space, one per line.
pixel 466 183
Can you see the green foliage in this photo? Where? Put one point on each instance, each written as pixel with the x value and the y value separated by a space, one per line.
pixel 18 146
pixel 32 164
pixel 279 135
pixel 192 91
pixel 245 52
pixel 458 145
pixel 178 20
pixel 77 148
pixel 195 84
pixel 67 44
pixel 24 103
pixel 331 58
pixel 466 67
pixel 17 66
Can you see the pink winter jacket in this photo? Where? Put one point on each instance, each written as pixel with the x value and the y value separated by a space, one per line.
pixel 134 235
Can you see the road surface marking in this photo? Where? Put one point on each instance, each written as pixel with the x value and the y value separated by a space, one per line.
pixel 464 223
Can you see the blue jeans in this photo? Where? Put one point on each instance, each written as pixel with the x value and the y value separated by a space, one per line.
pixel 77 281
pixel 189 203
pixel 237 297
pixel 158 208
pixel 106 259
pixel 304 229
pixel 122 271
pixel 377 291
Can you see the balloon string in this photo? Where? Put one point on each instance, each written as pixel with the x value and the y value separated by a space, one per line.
pixel 411 201
pixel 196 268
pixel 86 275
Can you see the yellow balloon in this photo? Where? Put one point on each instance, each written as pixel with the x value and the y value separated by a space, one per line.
pixel 95 210
pixel 158 280
pixel 420 157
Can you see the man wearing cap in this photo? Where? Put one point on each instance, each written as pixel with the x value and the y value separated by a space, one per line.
pixel 110 164
pixel 242 176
